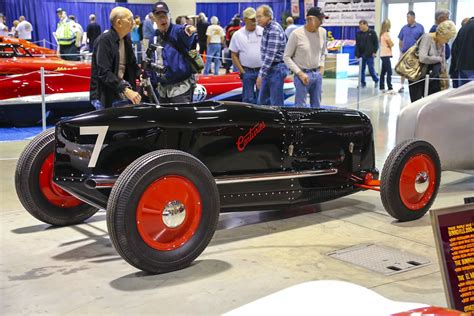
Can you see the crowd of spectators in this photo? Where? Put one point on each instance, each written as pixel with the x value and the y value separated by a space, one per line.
pixel 264 53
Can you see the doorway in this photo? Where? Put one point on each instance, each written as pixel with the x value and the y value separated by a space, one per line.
pixel 396 12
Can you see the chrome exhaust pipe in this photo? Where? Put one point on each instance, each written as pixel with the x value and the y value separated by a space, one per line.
pixel 100 182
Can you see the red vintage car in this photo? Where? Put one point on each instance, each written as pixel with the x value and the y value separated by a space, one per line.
pixel 67 86
pixel 31 47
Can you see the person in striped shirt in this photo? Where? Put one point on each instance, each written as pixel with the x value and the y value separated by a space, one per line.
pixel 273 72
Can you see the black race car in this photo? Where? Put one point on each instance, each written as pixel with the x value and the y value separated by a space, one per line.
pixel 165 172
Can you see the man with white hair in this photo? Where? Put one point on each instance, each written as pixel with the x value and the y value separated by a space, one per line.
pixel 114 66
pixel 271 77
pixel 24 29
pixel 93 31
pixel 215 40
pixel 290 26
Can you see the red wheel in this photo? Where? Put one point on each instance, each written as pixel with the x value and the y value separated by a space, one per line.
pixel 36 190
pixel 53 193
pixel 163 211
pixel 410 180
pixel 169 212
pixel 417 182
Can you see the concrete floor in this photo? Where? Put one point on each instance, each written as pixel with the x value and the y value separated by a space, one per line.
pixel 75 270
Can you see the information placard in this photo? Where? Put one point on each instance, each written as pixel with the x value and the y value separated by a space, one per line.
pixel 295 8
pixel 453 228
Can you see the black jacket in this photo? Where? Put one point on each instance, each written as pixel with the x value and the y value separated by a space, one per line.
pixel 93 31
pixel 201 31
pixel 463 48
pixel 105 85
pixel 367 43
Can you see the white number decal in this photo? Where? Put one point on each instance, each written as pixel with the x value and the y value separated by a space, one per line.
pixel 100 131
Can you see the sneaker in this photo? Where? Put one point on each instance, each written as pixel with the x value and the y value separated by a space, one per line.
pixel 376 83
pixel 362 85
pixel 382 90
pixel 402 89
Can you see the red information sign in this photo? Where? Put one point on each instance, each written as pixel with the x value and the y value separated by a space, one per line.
pixel 454 234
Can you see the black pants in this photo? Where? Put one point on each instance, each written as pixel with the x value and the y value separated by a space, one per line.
pixel 66 50
pixel 186 97
pixel 417 90
pixel 202 47
pixel 386 69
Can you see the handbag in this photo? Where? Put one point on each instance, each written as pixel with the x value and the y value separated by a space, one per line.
pixel 409 65
pixel 195 61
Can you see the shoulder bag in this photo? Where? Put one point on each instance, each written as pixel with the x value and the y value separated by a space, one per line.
pixel 409 65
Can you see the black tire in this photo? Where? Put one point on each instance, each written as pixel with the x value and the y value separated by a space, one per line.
pixel 130 190
pixel 394 187
pixel 28 189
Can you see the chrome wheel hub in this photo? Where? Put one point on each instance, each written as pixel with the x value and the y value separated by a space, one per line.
pixel 174 214
pixel 422 182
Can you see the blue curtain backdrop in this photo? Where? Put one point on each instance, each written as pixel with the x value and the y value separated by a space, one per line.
pixel 226 10
pixel 42 13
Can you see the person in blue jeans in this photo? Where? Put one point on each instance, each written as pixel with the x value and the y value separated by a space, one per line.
pixel 215 39
pixel 245 50
pixel 314 88
pixel 271 89
pixel 271 76
pixel 249 79
pixel 305 55
pixel 367 45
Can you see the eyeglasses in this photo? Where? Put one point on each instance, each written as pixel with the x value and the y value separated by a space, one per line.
pixel 160 15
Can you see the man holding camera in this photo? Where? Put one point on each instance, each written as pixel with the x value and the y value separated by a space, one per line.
pixel 175 78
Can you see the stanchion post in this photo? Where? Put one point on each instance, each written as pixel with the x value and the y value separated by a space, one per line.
pixel 43 99
pixel 44 42
pixel 427 85
pixel 359 82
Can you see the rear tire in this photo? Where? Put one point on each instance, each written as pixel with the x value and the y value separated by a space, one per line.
pixel 36 190
pixel 410 180
pixel 163 211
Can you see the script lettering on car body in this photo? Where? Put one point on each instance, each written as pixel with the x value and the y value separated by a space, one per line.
pixel 244 140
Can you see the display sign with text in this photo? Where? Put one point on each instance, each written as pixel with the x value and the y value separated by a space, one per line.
pixel 348 12
pixel 454 234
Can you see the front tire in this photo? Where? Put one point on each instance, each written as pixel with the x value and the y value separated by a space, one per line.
pixel 163 211
pixel 37 192
pixel 410 180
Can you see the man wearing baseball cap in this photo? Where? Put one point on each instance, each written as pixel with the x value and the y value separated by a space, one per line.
pixel 176 84
pixel 67 37
pixel 305 54
pixel 245 50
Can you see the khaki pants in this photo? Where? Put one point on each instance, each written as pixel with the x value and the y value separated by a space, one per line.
pixel 145 44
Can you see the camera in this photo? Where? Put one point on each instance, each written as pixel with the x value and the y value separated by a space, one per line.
pixel 149 64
